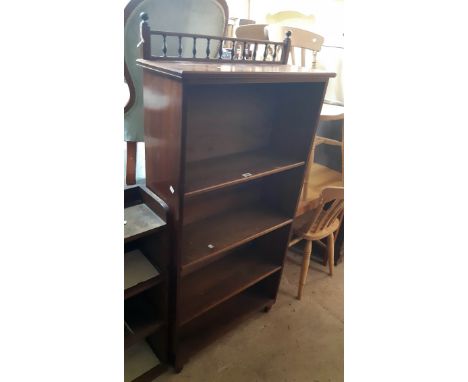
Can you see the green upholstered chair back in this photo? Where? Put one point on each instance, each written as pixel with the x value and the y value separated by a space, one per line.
pixel 189 16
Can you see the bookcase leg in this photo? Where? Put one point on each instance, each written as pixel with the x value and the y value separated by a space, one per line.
pixel 178 369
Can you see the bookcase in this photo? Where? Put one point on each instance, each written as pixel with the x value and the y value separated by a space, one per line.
pixel 146 263
pixel 226 146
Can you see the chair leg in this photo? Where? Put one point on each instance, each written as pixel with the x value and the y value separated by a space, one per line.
pixel 131 163
pixel 331 252
pixel 305 267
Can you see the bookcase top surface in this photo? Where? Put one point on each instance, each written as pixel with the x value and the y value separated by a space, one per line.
pixel 200 70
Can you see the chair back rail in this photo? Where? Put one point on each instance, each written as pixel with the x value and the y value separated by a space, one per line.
pixel 301 39
pixel 330 208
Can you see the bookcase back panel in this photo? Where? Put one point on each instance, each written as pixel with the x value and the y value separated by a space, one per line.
pixel 276 192
pixel 296 120
pixel 228 120
pixel 279 119
pixel 221 201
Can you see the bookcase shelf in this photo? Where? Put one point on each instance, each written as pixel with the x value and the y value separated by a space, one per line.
pixel 140 221
pixel 141 318
pixel 226 152
pixel 140 274
pixel 202 290
pixel 222 318
pixel 141 364
pixel 214 173
pixel 205 240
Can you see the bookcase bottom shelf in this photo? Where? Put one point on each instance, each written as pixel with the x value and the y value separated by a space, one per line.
pixel 222 280
pixel 221 319
pixel 141 364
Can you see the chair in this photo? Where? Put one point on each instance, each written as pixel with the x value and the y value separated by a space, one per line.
pixel 254 32
pixel 316 224
pixel 189 16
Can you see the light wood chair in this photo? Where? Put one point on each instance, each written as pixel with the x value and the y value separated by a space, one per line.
pixel 318 176
pixel 301 39
pixel 253 32
pixel 316 224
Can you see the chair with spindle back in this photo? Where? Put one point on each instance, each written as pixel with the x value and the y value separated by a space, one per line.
pixel 253 31
pixel 189 16
pixel 316 224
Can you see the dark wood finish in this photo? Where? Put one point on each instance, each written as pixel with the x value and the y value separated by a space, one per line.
pixel 224 317
pixel 152 374
pixel 231 73
pixel 146 299
pixel 221 280
pixel 225 149
pixel 214 173
pixel 142 319
pixel 137 289
pixel 224 232
pixel 130 177
pixel 140 221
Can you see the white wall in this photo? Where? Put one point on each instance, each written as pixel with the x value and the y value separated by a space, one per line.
pixel 239 8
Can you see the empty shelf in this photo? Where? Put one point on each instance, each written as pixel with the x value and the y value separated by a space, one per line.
pixel 216 322
pixel 141 220
pixel 205 240
pixel 142 319
pixel 210 286
pixel 139 273
pixel 215 173
pixel 140 360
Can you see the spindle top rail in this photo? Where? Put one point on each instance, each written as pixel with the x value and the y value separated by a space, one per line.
pixel 241 50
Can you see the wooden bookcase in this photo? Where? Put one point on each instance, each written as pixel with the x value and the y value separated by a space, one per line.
pixel 226 147
pixel 146 263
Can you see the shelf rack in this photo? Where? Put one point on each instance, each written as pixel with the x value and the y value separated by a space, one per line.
pixel 146 260
pixel 226 144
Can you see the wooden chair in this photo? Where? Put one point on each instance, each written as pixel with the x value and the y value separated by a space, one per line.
pixel 316 224
pixel 301 39
pixel 189 16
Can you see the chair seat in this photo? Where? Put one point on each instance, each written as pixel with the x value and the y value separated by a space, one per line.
pixel 319 177
pixel 331 112
pixel 320 234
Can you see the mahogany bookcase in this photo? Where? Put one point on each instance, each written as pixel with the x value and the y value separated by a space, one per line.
pixel 226 146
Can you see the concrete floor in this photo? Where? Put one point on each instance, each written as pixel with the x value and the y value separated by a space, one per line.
pixel 297 341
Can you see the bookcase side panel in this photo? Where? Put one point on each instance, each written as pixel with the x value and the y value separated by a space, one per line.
pixel 163 138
